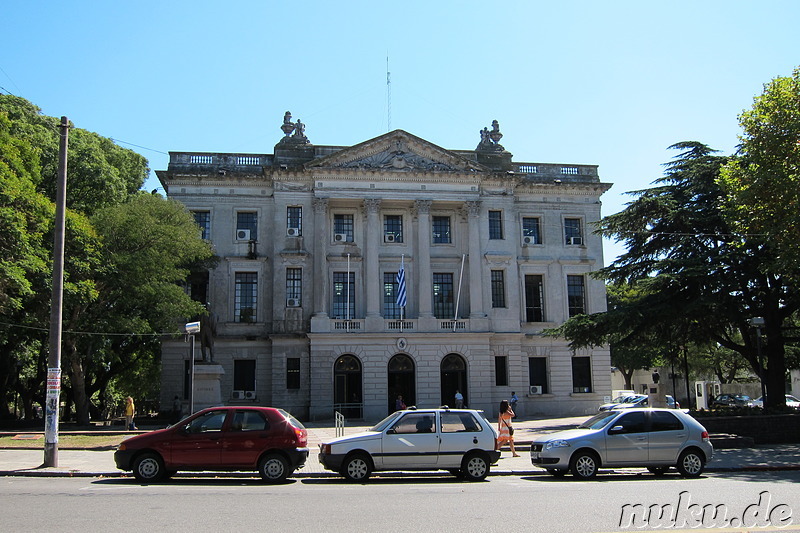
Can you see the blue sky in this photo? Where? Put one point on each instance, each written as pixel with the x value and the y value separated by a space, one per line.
pixel 606 83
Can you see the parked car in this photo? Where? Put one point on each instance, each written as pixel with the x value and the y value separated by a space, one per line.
pixel 637 437
pixel 791 401
pixel 637 400
pixel 461 441
pixel 265 439
pixel 731 400
pixel 625 398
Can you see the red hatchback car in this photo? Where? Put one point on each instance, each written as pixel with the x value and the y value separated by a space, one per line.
pixel 265 439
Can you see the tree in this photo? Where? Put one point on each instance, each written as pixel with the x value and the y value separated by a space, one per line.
pixel 763 183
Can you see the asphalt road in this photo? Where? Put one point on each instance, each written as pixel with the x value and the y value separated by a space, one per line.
pixel 389 504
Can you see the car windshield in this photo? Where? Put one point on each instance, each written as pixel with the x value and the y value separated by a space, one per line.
pixel 600 420
pixel 790 398
pixel 383 424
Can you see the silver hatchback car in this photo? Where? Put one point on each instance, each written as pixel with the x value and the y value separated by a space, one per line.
pixel 653 438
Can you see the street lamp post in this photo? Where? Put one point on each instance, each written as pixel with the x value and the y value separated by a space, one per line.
pixel 190 329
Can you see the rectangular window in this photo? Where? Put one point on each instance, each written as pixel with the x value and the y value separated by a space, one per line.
pixel 572 231
pixel 531 230
pixel 245 297
pixel 537 372
pixel 293 373
pixel 534 298
pixel 294 286
pixel 390 308
pixel 393 228
pixel 441 230
pixel 343 228
pixel 495 224
pixel 501 371
pixel 443 306
pixel 247 221
pixel 498 288
pixel 576 295
pixel 581 374
pixel 203 219
pixel 244 374
pixel 294 221
pixel 344 298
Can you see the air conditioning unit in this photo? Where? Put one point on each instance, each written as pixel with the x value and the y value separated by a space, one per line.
pixel 250 395
pixel 528 240
pixel 340 237
pixel 389 237
pixel 292 232
pixel 237 395
pixel 535 389
pixel 292 302
pixel 242 234
pixel 576 240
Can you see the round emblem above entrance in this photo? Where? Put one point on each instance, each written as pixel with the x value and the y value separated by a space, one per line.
pixel 402 343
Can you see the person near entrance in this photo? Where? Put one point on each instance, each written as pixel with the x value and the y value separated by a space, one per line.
pixel 459 400
pixel 399 404
pixel 505 428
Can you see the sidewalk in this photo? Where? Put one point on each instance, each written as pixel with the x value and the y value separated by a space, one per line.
pixel 84 463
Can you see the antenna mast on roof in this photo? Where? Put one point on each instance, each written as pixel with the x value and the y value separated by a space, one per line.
pixel 388 97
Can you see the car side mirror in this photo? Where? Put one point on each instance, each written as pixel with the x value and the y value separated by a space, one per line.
pixel 391 431
pixel 616 430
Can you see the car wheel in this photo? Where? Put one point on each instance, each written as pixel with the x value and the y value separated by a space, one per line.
pixel 583 465
pixel 691 463
pixel 273 468
pixel 475 467
pixel 555 472
pixel 658 470
pixel 148 468
pixel 357 467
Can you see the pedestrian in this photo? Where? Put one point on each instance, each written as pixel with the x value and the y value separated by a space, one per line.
pixel 513 401
pixel 459 400
pixel 177 409
pixel 399 404
pixel 130 411
pixel 505 428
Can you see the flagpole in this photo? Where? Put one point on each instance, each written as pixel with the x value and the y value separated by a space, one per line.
pixel 401 288
pixel 458 297
pixel 347 297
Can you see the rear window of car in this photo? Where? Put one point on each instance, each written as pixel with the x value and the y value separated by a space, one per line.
pixel 249 421
pixel 292 420
pixel 459 422
pixel 663 421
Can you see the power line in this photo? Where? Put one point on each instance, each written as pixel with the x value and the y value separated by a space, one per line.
pixel 36 328
pixel 138 146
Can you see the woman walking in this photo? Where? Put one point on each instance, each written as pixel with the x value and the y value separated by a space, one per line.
pixel 130 411
pixel 505 428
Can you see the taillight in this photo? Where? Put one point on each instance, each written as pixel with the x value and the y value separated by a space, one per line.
pixel 302 436
pixel 704 436
pixel 325 449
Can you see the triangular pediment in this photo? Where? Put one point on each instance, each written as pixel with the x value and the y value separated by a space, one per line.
pixel 398 151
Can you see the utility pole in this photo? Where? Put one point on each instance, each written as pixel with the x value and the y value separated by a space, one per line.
pixel 54 359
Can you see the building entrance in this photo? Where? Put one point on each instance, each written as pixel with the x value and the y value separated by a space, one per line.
pixel 401 381
pixel 454 378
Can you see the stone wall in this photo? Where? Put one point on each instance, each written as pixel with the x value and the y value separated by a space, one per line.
pixel 763 429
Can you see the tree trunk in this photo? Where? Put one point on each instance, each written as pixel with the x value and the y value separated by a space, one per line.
pixel 78 380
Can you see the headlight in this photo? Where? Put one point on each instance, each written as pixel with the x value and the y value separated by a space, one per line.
pixel 561 443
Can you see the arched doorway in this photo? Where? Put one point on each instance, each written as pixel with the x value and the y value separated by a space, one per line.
pixel 347 398
pixel 401 380
pixel 454 378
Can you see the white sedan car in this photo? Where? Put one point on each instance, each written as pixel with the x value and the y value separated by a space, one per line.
pixel 461 441
pixel 791 401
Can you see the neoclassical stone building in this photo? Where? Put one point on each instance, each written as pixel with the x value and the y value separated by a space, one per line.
pixel 311 240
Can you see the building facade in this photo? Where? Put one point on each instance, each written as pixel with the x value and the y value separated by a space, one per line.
pixel 304 307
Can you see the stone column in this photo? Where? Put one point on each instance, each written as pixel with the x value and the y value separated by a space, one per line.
pixel 320 257
pixel 372 283
pixel 423 265
pixel 475 262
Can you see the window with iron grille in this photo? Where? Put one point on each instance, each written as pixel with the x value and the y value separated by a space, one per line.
pixel 294 218
pixel 537 372
pixel 245 297
pixel 501 371
pixel 294 284
pixel 534 298
pixel 581 374
pixel 495 224
pixel 248 220
pixel 576 295
pixel 293 373
pixel 443 306
pixel 498 288
pixel 572 231
pixel 531 228
pixel 343 225
pixel 390 308
pixel 441 230
pixel 393 225
pixel 203 219
pixel 344 298
pixel 244 374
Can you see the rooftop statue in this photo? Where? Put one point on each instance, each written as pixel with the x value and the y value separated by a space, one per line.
pixel 288 127
pixel 490 139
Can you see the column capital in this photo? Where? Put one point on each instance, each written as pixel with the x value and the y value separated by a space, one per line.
pixel 320 205
pixel 372 205
pixel 423 207
pixel 473 208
